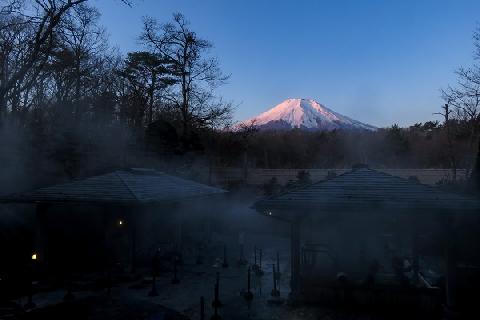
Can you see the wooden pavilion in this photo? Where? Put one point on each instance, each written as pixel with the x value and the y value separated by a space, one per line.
pixel 134 200
pixel 347 228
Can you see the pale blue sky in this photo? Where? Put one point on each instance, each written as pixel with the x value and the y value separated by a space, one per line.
pixel 380 62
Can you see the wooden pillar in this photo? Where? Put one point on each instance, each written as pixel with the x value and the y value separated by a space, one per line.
pixel 415 254
pixel 208 230
pixel 40 239
pixel 133 220
pixel 107 250
pixel 295 256
pixel 179 234
pixel 450 262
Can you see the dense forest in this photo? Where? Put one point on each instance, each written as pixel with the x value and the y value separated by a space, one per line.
pixel 71 105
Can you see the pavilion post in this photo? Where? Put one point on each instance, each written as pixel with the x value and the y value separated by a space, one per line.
pixel 105 235
pixel 415 254
pixel 451 264
pixel 40 236
pixel 107 254
pixel 133 225
pixel 179 237
pixel 295 256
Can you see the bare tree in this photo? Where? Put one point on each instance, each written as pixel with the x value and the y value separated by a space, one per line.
pixel 197 74
pixel 29 32
pixel 464 97
pixel 246 131
pixel 150 75
pixel 448 132
pixel 82 37
pixel 38 30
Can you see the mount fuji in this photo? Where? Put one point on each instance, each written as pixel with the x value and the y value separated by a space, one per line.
pixel 304 114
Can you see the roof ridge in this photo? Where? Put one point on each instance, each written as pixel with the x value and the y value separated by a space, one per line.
pixel 189 180
pixel 307 185
pixel 118 187
pixel 416 183
pixel 427 186
pixel 383 190
pixel 435 188
pixel 319 182
pixel 126 185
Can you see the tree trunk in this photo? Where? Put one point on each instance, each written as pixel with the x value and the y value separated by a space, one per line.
pixel 265 157
pixel 476 171
pixel 77 87
pixel 245 165
pixel 3 108
pixel 152 95
pixel 3 80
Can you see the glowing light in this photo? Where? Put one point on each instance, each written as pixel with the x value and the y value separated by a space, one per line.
pixel 120 222
pixel 269 213
pixel 34 256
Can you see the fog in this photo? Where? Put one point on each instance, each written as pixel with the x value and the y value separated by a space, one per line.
pixel 128 192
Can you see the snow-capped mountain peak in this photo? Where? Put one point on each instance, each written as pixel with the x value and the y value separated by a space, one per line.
pixel 304 114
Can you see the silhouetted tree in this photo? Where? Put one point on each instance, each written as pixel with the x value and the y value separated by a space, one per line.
pixel 448 133
pixel 464 97
pixel 272 187
pixel 162 138
pixel 303 177
pixel 27 42
pixel 197 74
pixel 149 75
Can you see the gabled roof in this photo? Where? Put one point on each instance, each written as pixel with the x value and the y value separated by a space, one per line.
pixel 133 186
pixel 366 188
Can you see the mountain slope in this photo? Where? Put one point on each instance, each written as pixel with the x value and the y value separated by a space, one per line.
pixel 304 114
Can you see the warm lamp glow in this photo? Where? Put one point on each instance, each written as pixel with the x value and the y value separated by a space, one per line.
pixel 120 222
pixel 34 256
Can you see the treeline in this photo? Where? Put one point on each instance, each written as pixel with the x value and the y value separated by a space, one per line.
pixel 71 105
pixel 419 146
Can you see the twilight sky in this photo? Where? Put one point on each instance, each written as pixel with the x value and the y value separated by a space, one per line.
pixel 377 61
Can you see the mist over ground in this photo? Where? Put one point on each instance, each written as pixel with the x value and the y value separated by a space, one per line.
pixel 327 224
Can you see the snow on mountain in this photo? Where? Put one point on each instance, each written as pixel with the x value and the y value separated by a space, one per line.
pixel 304 114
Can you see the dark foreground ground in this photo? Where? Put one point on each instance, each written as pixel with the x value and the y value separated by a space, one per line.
pixel 130 300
